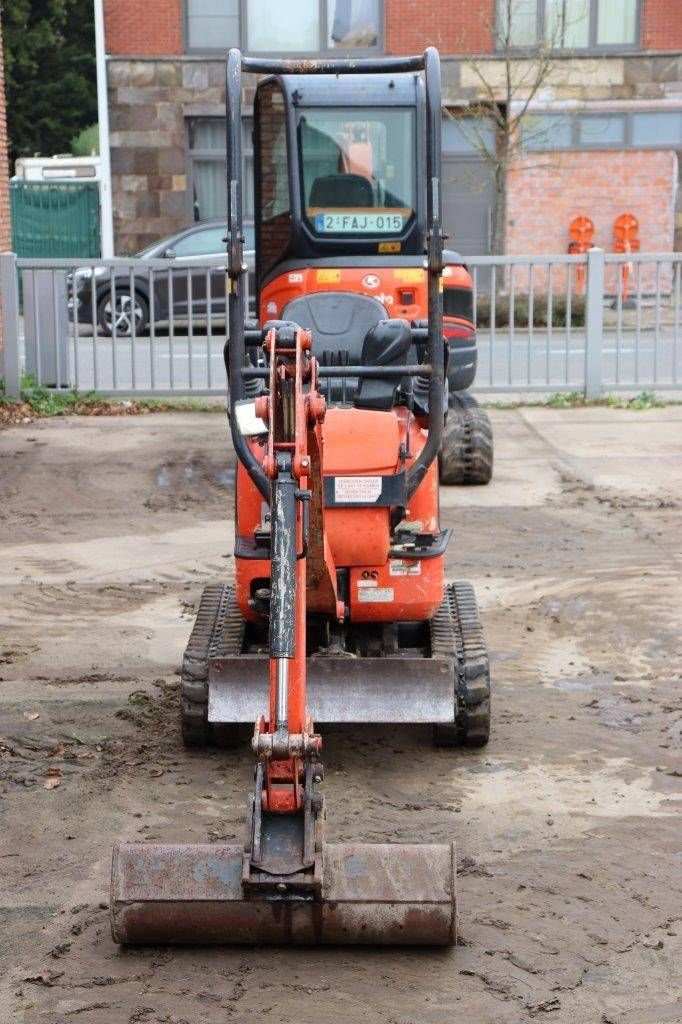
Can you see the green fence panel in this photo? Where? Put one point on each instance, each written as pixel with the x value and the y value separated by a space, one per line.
pixel 56 220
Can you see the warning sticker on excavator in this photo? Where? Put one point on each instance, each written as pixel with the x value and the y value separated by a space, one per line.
pixel 379 595
pixel 354 490
pixel 328 276
pixel 401 567
pixel 409 275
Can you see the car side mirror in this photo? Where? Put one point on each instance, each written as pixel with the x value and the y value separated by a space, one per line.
pixel 168 254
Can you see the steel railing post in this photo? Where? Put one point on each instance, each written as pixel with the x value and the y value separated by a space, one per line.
pixel 9 288
pixel 594 323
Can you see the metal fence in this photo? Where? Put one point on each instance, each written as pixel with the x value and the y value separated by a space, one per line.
pixel 592 323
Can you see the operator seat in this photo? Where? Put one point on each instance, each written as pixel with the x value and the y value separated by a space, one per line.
pixel 338 322
pixel 351 329
pixel 341 191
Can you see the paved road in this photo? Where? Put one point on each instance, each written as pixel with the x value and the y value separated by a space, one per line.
pixel 553 360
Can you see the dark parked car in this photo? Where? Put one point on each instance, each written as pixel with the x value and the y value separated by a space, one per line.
pixel 130 299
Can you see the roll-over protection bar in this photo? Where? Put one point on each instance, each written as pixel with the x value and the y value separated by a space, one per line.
pixel 429 63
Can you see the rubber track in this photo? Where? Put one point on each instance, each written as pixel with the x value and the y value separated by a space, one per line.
pixel 467 451
pixel 218 630
pixel 472 712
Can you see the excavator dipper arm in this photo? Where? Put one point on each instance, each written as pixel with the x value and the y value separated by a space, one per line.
pixel 286 884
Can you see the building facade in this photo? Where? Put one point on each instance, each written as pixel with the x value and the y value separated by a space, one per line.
pixel 596 94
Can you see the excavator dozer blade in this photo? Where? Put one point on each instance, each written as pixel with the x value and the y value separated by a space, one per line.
pixel 383 894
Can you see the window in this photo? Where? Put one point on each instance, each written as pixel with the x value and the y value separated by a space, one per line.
pixel 352 24
pixel 568 24
pixel 598 130
pixel 518 23
pixel 616 22
pixel 467 135
pixel 647 129
pixel 207 167
pixel 357 167
pixel 274 228
pixel 546 132
pixel 657 129
pixel 209 242
pixel 297 26
pixel 212 24
pixel 283 27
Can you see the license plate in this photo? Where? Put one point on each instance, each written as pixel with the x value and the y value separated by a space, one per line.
pixel 359 223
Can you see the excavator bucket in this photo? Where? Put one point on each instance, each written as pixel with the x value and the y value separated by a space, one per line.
pixel 383 894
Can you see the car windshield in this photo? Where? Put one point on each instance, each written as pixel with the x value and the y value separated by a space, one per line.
pixel 357 170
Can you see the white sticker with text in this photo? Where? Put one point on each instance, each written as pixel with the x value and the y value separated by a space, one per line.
pixel 381 595
pixel 357 489
pixel 399 567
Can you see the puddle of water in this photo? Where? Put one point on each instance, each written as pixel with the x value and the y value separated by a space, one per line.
pixel 192 474
pixel 582 683
pixel 504 655
pixel 489 767
pixel 225 477
pixel 574 607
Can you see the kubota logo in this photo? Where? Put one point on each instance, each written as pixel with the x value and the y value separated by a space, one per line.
pixel 371 281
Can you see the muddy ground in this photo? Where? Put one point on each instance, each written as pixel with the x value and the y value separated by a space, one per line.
pixel 567 825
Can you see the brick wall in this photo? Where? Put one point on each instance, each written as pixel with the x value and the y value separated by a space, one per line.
pixel 155 27
pixel 545 193
pixel 152 27
pixel 662 24
pixel 458 26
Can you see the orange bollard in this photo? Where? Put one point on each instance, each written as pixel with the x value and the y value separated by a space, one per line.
pixel 581 230
pixel 626 230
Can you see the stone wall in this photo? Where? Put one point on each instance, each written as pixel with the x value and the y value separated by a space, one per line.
pixel 149 102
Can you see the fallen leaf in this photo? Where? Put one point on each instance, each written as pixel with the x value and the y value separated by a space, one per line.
pixel 524 965
pixel 156 772
pixel 57 751
pixel 52 771
pixel 51 783
pixel 31 716
pixel 44 977
pixel 547 1006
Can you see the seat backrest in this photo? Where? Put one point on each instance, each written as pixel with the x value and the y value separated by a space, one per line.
pixel 338 321
pixel 341 190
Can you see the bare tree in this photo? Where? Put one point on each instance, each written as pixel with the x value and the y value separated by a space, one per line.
pixel 500 125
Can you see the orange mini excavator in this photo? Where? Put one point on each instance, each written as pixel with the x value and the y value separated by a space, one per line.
pixel 339 612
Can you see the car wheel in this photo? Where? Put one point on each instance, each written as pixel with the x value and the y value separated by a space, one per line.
pixel 129 308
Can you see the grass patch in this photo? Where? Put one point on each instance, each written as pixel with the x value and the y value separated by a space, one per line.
pixel 577 400
pixel 38 402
